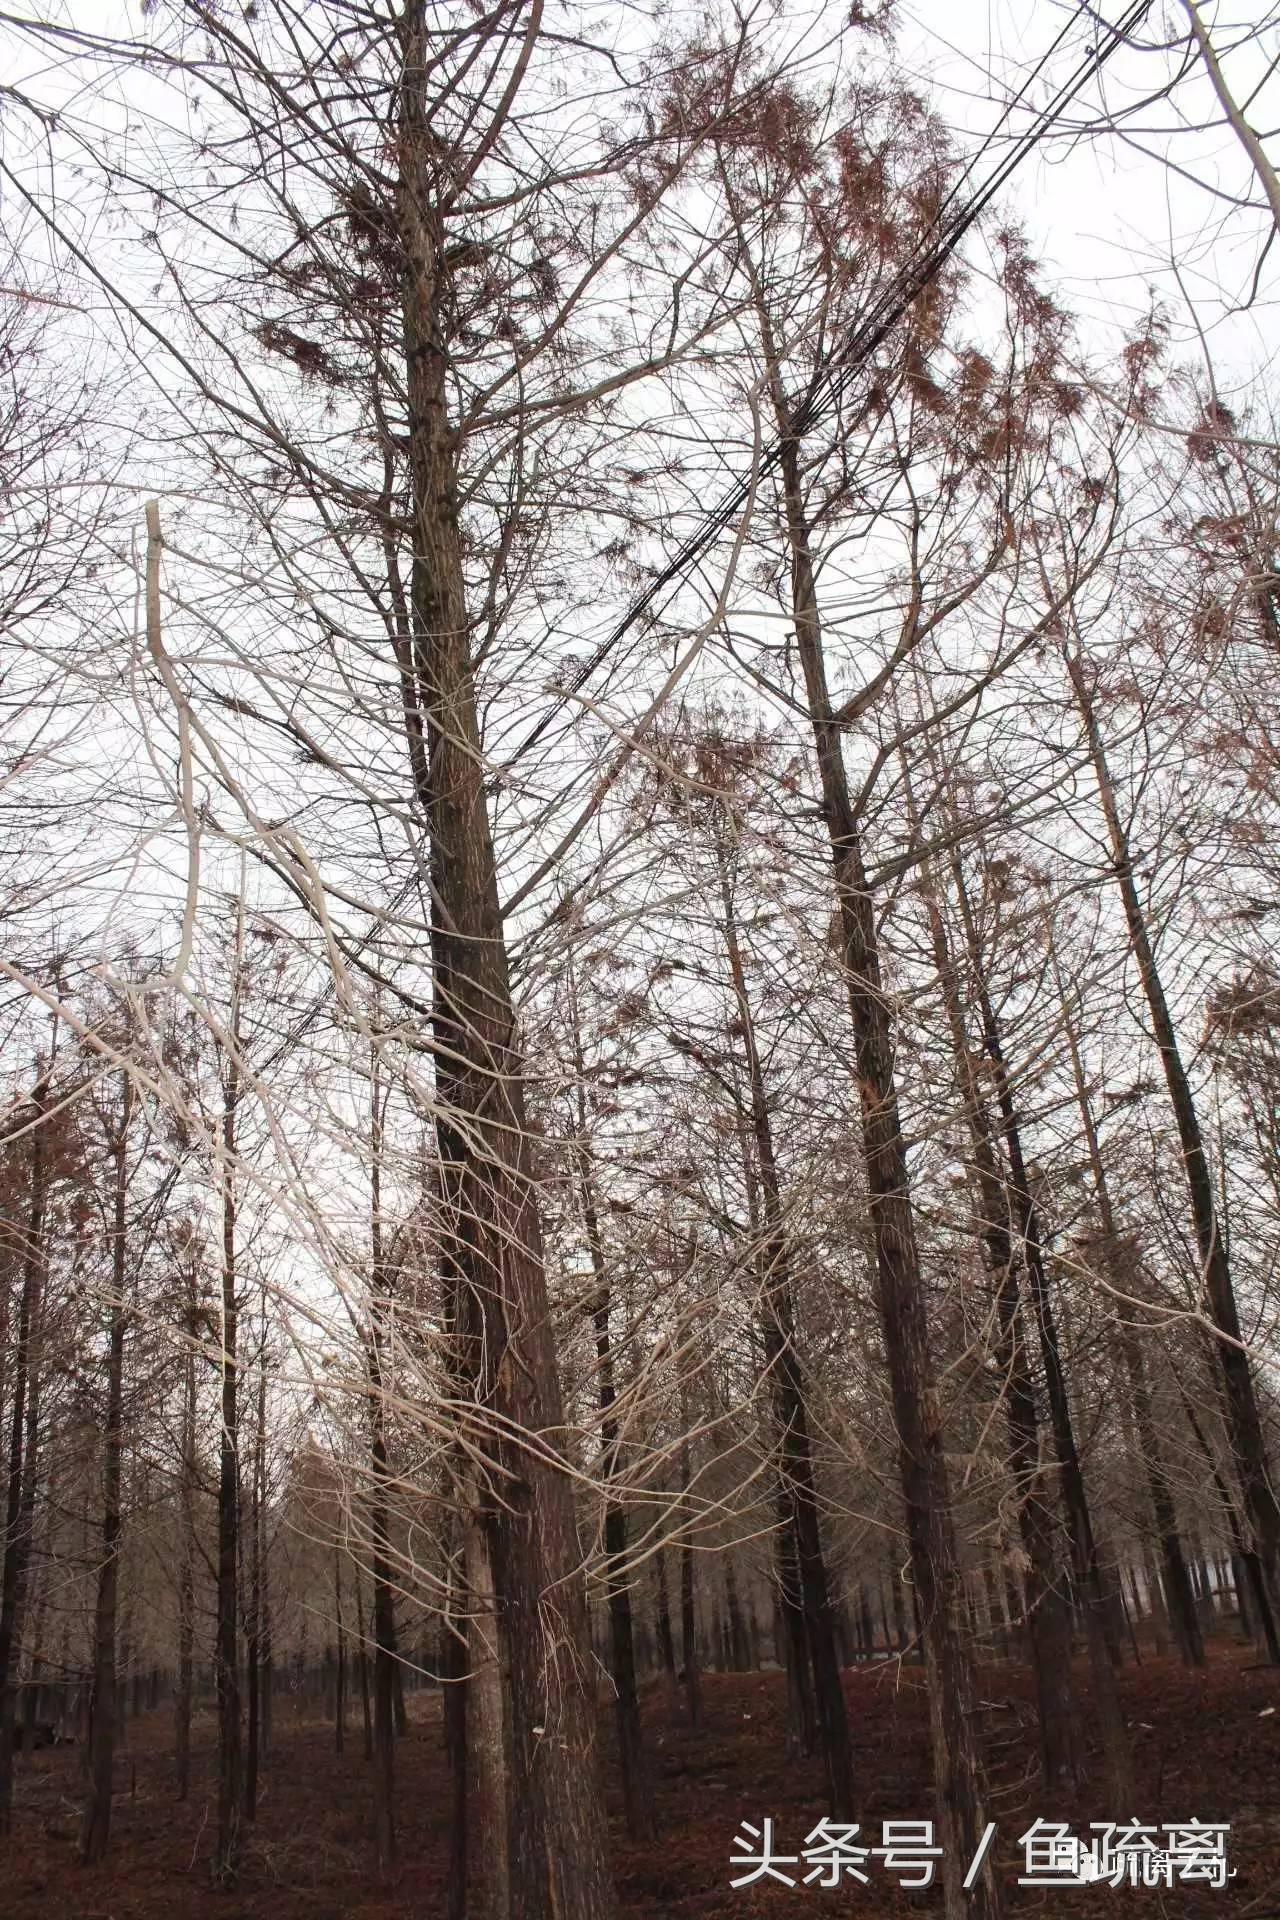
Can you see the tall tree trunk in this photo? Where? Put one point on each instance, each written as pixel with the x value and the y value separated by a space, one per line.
pixel 362 1664
pixel 790 1630
pixel 1178 1598
pixel 384 1627
pixel 739 1647
pixel 789 1390
pixel 253 1649
pixel 456 1686
pixel 226 1647
pixel 1244 1421
pixel 637 1787
pixel 488 1740
pixel 935 1563
pixel 340 1676
pixel 1048 1615
pixel 1262 1615
pixel 688 1594
pixel 1102 1639
pixel 666 1637
pixel 95 1825
pixel 401 1714
pixel 559 1840
pixel 18 1517
pixel 187 1563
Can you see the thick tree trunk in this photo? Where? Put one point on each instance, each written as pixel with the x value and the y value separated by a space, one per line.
pixel 95 1825
pixel 559 1840
pixel 489 1788
pixel 1244 1421
pixel 456 1687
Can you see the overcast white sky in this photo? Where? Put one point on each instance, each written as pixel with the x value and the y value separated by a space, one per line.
pixel 1107 216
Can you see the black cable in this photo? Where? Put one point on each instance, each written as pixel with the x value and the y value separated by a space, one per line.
pixel 830 383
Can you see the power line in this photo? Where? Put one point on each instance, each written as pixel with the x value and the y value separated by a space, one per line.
pixel 831 381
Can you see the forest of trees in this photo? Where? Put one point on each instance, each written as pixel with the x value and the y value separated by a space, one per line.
pixel 640 993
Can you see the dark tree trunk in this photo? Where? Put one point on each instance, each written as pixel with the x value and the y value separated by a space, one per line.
pixel 187 1570
pixel 802 1708
pixel 688 1599
pixel 19 1515
pixel 1260 1609
pixel 340 1676
pixel 226 1651
pixel 739 1650
pixel 559 1840
pixel 384 1624
pixel 456 1688
pixel 798 1492
pixel 637 1786
pixel 936 1575
pixel 253 1650
pixel 95 1825
pixel 1048 1618
pixel 362 1666
pixel 397 1687
pixel 666 1638
pixel 1101 1634
pixel 1177 1586
pixel 1244 1422
pixel 488 1740
pixel 897 1600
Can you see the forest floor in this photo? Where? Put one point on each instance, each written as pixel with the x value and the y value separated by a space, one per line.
pixel 1206 1746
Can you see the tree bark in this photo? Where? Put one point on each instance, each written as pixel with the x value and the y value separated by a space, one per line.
pixel 95 1826
pixel 1100 1636
pixel 340 1675
pixel 384 1630
pixel 1244 1421
pixel 253 1649
pixel 666 1637
pixel 362 1665
pixel 226 1858
pixel 187 1566
pixel 488 1773
pixel 456 1686
pixel 1048 1615
pixel 936 1574
pixel 559 1840
pixel 1178 1598
pixel 787 1382
pixel 688 1596
pixel 637 1786
pixel 18 1514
